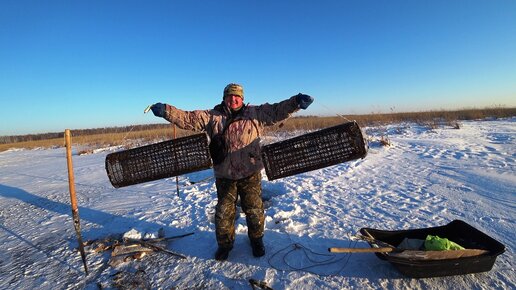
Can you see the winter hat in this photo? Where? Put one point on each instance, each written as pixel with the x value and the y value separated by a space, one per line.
pixel 233 89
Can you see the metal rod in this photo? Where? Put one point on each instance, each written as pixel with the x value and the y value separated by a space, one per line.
pixel 177 178
pixel 73 198
pixel 168 238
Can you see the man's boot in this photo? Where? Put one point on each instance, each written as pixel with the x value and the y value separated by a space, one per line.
pixel 258 247
pixel 222 253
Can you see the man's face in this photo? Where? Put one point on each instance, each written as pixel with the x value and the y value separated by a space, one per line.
pixel 234 102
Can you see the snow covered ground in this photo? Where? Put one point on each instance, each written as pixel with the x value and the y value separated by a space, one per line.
pixel 425 178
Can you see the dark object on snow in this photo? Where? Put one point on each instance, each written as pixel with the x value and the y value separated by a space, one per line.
pixel 160 160
pixel 458 231
pixel 255 284
pixel 315 150
pixel 128 280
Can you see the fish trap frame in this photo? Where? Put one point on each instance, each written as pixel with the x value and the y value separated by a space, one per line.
pixel 160 160
pixel 314 150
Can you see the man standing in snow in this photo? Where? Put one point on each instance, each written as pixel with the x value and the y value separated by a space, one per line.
pixel 235 129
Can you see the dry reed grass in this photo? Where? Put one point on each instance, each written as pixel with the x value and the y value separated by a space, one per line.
pixel 100 140
pixel 431 119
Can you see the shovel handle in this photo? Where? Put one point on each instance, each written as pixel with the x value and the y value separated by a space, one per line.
pixel 360 250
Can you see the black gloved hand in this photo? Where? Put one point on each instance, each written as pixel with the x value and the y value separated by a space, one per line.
pixel 158 110
pixel 304 100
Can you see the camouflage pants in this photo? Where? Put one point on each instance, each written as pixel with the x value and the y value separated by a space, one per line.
pixel 250 191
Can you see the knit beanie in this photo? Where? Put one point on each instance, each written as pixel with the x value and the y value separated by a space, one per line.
pixel 233 89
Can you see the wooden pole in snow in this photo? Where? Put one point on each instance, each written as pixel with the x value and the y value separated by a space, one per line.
pixel 73 198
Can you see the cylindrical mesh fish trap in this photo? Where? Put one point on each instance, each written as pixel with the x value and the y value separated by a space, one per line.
pixel 314 150
pixel 160 160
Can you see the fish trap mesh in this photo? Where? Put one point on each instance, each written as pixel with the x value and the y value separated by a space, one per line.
pixel 160 160
pixel 314 150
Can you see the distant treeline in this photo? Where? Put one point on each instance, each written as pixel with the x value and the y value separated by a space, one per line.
pixel 430 118
pixel 80 132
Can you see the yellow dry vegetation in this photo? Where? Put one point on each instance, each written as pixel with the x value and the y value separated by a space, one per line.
pixel 432 119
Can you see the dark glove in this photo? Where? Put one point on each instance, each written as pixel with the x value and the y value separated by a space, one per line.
pixel 304 100
pixel 159 110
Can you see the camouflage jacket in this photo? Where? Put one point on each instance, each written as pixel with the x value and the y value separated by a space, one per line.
pixel 242 135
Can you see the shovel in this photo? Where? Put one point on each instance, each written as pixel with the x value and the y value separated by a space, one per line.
pixel 363 250
pixel 415 254
pixel 382 247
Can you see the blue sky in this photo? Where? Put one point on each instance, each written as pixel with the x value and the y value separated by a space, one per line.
pixel 89 64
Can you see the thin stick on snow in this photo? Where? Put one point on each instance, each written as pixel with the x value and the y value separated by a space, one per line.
pixel 155 247
pixel 177 179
